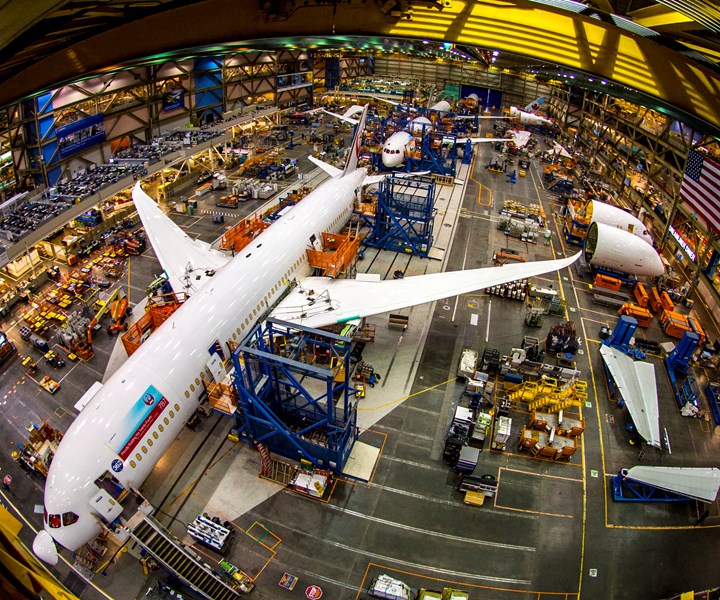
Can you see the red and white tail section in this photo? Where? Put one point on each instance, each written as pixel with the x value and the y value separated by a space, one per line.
pixel 357 140
pixel 535 105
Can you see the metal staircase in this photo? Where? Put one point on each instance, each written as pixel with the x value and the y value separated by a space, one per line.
pixel 182 561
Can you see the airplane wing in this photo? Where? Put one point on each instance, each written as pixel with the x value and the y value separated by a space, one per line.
pixel 475 140
pixel 520 138
pixel 635 380
pixel 188 263
pixel 558 149
pixel 469 117
pixel 348 115
pixel 320 301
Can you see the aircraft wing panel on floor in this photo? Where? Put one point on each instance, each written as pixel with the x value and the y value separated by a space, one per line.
pixel 320 301
pixel 635 380
pixel 699 483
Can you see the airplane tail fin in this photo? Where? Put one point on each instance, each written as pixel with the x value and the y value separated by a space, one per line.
pixel 352 159
pixel 535 104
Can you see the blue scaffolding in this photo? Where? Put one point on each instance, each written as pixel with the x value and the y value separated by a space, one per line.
pixel 293 393
pixel 404 216
pixel 677 365
pixel 438 154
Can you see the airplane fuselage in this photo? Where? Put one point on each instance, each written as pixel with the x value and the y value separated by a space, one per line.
pixel 395 149
pixel 134 418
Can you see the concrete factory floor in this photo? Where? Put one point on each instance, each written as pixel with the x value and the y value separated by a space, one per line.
pixel 551 531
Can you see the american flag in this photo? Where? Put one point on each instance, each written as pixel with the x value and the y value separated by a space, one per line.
pixel 701 188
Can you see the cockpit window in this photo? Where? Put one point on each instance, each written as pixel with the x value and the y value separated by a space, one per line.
pixel 54 521
pixel 69 518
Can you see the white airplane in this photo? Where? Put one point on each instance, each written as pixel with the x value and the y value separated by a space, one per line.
pixel 526 118
pixel 527 115
pixel 128 423
pixel 401 143
pixel 618 250
pixel 608 214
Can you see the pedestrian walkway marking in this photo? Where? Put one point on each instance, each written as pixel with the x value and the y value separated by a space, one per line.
pixel 499 592
pixel 260 535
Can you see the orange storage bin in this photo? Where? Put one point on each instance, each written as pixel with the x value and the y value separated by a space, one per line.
pixel 609 283
pixel 641 295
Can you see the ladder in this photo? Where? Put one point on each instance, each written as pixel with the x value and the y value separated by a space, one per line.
pixel 181 561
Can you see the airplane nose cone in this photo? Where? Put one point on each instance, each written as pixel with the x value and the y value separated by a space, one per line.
pixel 392 160
pixel 44 548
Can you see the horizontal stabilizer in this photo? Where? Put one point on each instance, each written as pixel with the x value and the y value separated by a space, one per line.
pixel 635 380
pixel 188 263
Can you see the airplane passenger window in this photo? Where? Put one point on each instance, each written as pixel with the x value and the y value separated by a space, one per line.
pixel 54 521
pixel 69 518
pixel 177 407
pixel 161 428
pixel 172 414
pixel 192 387
pixel 155 435
pixel 187 394
pixel 149 442
pixel 133 464
pixel 166 421
pixel 138 457
pixel 144 450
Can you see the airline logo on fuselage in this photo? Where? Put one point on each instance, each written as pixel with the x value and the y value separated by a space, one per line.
pixel 137 422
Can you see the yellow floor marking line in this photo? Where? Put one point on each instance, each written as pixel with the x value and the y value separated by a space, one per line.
pixel 573 479
pixel 526 510
pixel 563 463
pixel 265 532
pixel 399 400
pixel 398 573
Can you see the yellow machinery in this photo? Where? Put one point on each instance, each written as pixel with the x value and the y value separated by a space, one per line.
pixel 27 577
pixel 103 305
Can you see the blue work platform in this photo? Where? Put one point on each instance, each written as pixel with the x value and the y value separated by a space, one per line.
pixel 405 216
pixel 293 393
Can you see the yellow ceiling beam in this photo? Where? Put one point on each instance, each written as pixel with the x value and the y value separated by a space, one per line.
pixel 578 42
pixel 658 16
pixel 540 32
